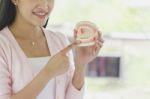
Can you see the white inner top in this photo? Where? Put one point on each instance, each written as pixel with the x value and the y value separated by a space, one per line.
pixel 37 64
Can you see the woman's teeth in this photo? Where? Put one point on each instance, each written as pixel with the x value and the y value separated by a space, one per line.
pixel 40 13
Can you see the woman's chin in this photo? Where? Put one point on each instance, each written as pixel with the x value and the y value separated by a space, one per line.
pixel 40 24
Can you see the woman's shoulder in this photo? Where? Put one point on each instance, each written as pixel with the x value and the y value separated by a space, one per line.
pixel 3 37
pixel 5 45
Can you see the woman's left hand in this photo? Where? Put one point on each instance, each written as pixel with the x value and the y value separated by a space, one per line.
pixel 86 54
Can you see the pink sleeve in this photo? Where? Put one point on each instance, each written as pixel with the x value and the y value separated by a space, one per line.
pixel 5 81
pixel 72 92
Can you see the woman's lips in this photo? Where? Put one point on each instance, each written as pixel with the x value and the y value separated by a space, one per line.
pixel 41 15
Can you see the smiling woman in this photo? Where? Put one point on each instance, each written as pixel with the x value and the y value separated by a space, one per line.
pixel 36 63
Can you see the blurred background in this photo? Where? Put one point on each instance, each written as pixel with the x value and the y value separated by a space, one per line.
pixel 122 68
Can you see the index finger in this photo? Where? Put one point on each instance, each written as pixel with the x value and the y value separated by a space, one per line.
pixel 69 47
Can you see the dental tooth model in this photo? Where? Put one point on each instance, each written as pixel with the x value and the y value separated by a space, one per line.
pixel 86 32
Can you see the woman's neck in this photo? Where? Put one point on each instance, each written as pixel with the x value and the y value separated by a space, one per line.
pixel 25 31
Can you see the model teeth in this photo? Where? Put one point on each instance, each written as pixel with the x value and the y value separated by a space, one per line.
pixel 83 36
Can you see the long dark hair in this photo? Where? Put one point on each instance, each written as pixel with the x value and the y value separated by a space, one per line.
pixel 8 13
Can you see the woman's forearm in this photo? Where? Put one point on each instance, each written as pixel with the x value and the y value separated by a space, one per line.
pixel 79 77
pixel 32 90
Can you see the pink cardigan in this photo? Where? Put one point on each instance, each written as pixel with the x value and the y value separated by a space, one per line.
pixel 15 71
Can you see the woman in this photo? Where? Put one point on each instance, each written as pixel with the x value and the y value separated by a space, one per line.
pixel 36 63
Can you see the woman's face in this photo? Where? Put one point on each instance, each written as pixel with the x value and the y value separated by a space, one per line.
pixel 34 12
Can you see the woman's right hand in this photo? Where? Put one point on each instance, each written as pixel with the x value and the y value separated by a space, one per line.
pixel 59 63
